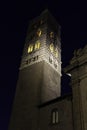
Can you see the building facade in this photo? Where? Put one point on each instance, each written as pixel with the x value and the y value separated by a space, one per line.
pixel 78 70
pixel 38 103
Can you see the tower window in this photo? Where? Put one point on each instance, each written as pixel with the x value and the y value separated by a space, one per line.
pixel 55 116
pixel 37 45
pixel 51 35
pixel 30 48
pixel 51 47
pixel 56 52
pixel 39 32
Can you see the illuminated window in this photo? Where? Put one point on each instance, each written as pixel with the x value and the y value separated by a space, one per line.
pixel 51 47
pixel 56 53
pixel 37 45
pixel 30 48
pixel 51 35
pixel 55 116
pixel 39 32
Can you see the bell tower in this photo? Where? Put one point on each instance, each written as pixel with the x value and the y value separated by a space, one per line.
pixel 39 74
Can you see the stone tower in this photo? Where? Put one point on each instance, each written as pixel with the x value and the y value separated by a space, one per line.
pixel 39 74
pixel 78 71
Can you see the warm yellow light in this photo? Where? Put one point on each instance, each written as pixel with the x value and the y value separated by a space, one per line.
pixel 56 53
pixel 51 47
pixel 51 34
pixel 30 48
pixel 37 45
pixel 39 32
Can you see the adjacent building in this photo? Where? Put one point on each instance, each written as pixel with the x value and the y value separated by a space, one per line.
pixel 38 104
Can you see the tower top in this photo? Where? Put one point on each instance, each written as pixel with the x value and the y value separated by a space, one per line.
pixel 47 17
pixel 46 11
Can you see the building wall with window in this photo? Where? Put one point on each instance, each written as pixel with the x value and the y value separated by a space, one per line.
pixel 56 115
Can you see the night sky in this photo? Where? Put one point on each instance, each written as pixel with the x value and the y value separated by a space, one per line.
pixel 14 19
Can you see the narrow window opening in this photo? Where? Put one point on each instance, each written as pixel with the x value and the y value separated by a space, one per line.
pixel 55 117
pixel 53 120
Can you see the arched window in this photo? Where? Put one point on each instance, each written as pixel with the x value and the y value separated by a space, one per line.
pixel 39 32
pixel 37 45
pixel 52 47
pixel 55 116
pixel 56 53
pixel 51 34
pixel 51 59
pixel 30 48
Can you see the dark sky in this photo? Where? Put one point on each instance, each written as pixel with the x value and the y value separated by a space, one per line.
pixel 14 19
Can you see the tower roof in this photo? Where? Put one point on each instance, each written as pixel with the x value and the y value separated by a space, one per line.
pixel 46 11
